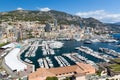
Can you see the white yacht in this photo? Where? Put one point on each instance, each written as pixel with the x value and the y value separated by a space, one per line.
pixel 55 44
pixel 27 60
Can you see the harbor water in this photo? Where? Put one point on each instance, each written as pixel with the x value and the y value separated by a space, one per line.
pixel 69 47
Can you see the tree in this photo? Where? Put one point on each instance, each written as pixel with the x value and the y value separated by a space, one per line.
pixel 54 78
pixel 20 79
pixel 51 78
pixel 48 78
pixel 67 78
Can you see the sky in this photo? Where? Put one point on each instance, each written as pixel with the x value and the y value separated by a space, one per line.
pixel 107 11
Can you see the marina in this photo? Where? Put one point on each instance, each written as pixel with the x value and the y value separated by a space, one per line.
pixel 40 42
pixel 41 64
pixel 45 62
pixel 31 52
pixel 28 61
pixel 75 57
pixel 110 52
pixel 93 53
pixel 49 62
pixel 70 53
pixel 32 49
pixel 47 50
pixel 59 62
pixel 63 61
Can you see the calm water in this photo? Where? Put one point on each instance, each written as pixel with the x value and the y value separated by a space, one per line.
pixel 116 35
pixel 69 47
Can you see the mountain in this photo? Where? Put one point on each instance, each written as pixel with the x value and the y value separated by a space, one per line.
pixel 50 16
pixel 115 27
pixel 45 17
pixel 117 23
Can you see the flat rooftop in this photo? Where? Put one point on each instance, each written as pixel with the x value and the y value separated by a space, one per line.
pixel 12 61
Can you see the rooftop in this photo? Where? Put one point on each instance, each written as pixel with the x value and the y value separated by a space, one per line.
pixel 12 61
pixel 80 68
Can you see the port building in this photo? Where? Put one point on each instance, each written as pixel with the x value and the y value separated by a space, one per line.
pixel 12 61
pixel 79 71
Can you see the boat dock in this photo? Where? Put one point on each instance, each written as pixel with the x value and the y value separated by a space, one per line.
pixel 35 43
pixel 28 61
pixel 32 51
pixel 93 53
pixel 49 62
pixel 110 52
pixel 61 61
pixel 76 57
pixel 46 49
pixel 41 64
pixel 45 62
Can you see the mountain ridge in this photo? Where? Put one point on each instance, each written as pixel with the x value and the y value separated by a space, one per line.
pixel 49 17
pixel 44 17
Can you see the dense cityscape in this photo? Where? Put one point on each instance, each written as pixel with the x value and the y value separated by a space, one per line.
pixel 54 45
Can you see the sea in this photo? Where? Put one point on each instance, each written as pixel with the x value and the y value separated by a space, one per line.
pixel 69 47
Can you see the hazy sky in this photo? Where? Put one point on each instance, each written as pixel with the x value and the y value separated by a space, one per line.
pixel 104 10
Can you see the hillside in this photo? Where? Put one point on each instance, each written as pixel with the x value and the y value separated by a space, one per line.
pixel 50 16
pixel 44 17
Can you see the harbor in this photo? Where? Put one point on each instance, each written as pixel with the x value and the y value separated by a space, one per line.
pixel 47 56
pixel 110 52
pixel 93 53
pixel 46 49
pixel 62 40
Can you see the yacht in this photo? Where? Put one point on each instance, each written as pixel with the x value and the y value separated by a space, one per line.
pixel 87 41
pixel 55 44
pixel 27 60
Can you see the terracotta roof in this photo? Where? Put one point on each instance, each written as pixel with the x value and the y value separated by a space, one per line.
pixel 41 72
pixel 85 67
pixel 80 68
pixel 62 70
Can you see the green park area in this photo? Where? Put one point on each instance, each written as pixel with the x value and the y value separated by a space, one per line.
pixel 116 66
pixel 3 44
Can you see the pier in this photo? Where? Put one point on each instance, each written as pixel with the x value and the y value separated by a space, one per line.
pixel 41 64
pixel 45 62
pixel 46 49
pixel 59 62
pixel 49 62
pixel 32 51
pixel 110 52
pixel 93 53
